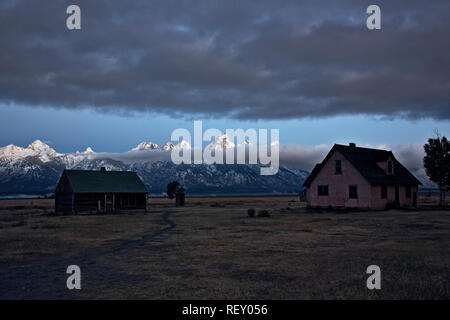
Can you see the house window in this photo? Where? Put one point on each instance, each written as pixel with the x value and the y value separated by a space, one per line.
pixel 353 192
pixel 322 190
pixel 390 167
pixel 408 191
pixel 337 167
pixel 383 192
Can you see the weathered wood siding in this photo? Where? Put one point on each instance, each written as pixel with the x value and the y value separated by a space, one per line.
pixel 64 202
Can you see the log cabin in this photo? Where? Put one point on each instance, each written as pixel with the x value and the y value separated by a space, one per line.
pixel 99 191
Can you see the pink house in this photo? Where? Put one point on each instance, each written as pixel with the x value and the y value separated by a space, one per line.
pixel 354 177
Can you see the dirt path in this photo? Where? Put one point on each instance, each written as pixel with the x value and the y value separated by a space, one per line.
pixel 127 245
pixel 46 278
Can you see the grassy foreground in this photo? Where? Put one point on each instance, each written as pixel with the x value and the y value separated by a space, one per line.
pixel 211 249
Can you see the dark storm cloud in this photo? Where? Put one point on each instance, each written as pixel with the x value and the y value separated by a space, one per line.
pixel 244 59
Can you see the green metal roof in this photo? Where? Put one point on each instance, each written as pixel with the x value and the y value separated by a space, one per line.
pixel 87 181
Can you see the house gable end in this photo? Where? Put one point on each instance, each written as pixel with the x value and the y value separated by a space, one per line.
pixel 316 171
pixel 64 184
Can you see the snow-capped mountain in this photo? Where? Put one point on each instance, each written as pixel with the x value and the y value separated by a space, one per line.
pixel 168 146
pixel 88 151
pixel 222 142
pixel 182 145
pixel 218 178
pixel 38 167
pixel 146 146
pixel 38 149
pixel 153 146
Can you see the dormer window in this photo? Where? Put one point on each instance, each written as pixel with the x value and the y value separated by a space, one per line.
pixel 390 167
pixel 337 167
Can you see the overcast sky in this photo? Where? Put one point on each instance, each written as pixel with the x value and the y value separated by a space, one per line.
pixel 139 69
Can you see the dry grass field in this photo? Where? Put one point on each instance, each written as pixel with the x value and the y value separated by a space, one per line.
pixel 211 249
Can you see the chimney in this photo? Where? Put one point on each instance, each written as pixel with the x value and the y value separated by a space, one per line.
pixel 352 145
pixel 102 169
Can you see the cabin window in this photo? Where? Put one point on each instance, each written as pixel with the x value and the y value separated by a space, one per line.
pixel 353 191
pixel 322 190
pixel 408 191
pixel 390 168
pixel 383 192
pixel 337 167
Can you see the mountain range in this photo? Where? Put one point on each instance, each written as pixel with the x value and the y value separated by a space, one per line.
pixel 37 168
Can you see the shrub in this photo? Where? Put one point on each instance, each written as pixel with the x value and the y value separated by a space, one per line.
pixel 218 205
pixel 263 214
pixel 251 212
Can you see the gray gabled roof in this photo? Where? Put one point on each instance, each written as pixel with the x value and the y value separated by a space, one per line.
pixel 365 161
pixel 87 181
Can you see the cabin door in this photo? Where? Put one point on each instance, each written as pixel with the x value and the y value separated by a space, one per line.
pixel 109 202
pixel 397 196
pixel 414 199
